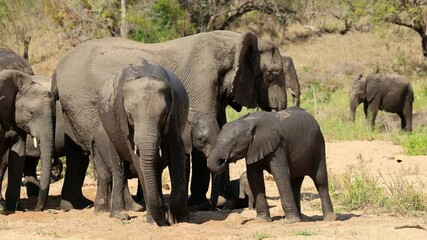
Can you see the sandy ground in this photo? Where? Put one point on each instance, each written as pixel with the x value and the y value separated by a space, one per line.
pixel 380 157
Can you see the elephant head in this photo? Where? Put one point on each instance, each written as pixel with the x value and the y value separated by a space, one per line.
pixel 363 89
pixel 257 78
pixel 253 137
pixel 291 78
pixel 137 110
pixel 271 83
pixel 202 132
pixel 27 107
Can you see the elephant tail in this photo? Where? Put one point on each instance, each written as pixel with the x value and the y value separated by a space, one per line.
pixel 53 87
pixel 92 155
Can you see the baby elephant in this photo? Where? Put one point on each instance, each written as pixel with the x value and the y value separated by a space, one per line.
pixel 289 145
pixel 391 93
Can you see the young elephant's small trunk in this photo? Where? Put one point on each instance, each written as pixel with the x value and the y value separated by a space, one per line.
pixel 353 107
pixel 148 149
pixel 216 162
pixel 46 156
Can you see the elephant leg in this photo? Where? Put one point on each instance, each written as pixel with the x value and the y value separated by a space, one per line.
pixel 407 113
pixel 139 197
pixel 199 182
pixel 372 112
pixel 3 167
pixel 296 190
pixel 365 109
pixel 130 203
pixel 15 170
pixel 75 172
pixel 31 182
pixel 402 120
pixel 102 200
pixel 321 182
pixel 219 185
pixel 257 185
pixel 118 207
pixel 177 171
pixel 280 170
pixel 56 169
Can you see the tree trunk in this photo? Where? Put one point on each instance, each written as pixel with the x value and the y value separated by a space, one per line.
pixel 123 24
pixel 26 48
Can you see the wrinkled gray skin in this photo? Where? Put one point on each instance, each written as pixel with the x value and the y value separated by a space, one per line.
pixel 12 61
pixel 391 93
pixel 200 132
pixel 33 154
pixel 291 78
pixel 26 108
pixel 103 156
pixel 144 109
pixel 289 145
pixel 216 68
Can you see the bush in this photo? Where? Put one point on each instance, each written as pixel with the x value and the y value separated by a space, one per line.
pixel 415 143
pixel 359 189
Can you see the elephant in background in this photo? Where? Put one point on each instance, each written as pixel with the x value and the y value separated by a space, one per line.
pixel 26 108
pixel 291 78
pixel 289 145
pixel 216 68
pixel 143 109
pixel 32 153
pixel 12 61
pixel 391 93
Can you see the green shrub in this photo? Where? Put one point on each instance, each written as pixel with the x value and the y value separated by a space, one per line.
pixel 359 189
pixel 415 143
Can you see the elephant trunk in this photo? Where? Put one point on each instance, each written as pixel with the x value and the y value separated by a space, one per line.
pixel 216 162
pixel 47 143
pixel 353 107
pixel 148 154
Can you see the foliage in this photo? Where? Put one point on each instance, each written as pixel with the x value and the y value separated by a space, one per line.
pixel 305 232
pixel 164 20
pixel 415 143
pixel 19 19
pixel 260 236
pixel 359 189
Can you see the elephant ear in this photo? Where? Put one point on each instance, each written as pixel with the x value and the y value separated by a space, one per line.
pixel 246 68
pixel 372 86
pixel 266 139
pixel 112 112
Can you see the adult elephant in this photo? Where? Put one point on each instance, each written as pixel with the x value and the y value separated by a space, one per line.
pixel 391 93
pixel 216 68
pixel 26 108
pixel 291 77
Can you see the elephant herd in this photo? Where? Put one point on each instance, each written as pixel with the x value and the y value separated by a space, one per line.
pixel 133 109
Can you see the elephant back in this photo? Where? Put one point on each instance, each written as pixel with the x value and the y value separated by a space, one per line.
pixel 12 61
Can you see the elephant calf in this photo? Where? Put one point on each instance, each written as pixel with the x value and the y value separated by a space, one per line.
pixel 391 93
pixel 289 144
pixel 200 132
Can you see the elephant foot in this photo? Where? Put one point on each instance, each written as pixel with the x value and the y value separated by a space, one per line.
pixel 184 216
pixel 203 206
pixel 263 219
pixel 134 206
pixel 329 217
pixel 32 185
pixel 122 215
pixel 101 208
pixel 80 203
pixel 289 220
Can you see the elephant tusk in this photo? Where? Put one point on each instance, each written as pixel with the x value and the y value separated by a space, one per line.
pixel 160 152
pixel 134 150
pixel 35 142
